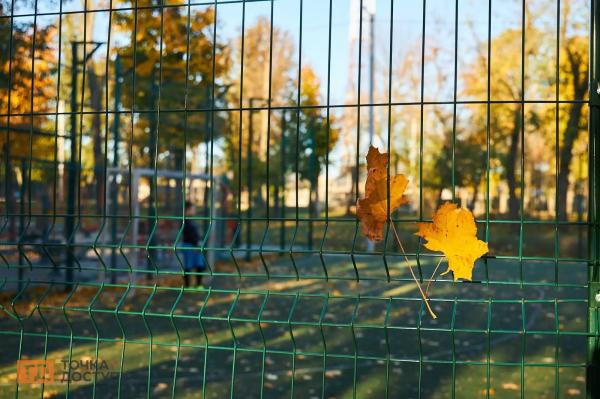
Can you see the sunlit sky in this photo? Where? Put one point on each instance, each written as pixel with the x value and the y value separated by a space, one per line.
pixel 407 27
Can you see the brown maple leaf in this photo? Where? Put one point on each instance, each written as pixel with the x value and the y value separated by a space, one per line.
pixel 372 211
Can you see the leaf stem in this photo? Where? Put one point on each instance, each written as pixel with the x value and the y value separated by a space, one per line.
pixel 433 274
pixel 431 313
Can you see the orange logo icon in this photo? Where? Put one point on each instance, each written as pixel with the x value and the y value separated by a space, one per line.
pixel 35 371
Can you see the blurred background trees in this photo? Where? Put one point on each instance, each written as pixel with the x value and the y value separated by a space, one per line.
pixel 28 63
pixel 187 96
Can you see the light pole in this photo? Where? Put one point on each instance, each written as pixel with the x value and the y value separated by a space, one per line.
pixel 371 73
pixel 71 182
pixel 282 182
pixel 115 163
pixel 313 177
pixel 370 9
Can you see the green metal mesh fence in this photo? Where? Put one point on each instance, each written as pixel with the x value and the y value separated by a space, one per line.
pixel 124 122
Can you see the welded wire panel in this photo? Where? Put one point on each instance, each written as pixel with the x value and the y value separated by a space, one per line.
pixel 179 191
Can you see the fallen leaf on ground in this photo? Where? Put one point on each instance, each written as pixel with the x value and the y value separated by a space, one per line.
pixel 333 373
pixel 161 386
pixel 510 386
pixel 453 232
pixel 373 209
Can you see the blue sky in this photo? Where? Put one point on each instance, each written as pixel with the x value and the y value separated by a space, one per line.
pixel 286 15
pixel 407 28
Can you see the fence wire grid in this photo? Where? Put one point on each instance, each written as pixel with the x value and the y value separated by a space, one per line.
pixel 123 123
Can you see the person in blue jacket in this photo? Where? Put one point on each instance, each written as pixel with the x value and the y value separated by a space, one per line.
pixel 193 260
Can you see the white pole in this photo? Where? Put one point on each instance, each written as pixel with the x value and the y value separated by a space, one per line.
pixel 370 8
pixel 212 238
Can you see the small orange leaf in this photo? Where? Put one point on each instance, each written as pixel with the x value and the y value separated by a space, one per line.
pixel 454 233
pixel 372 210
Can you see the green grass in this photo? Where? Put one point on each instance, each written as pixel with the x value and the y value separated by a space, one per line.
pixel 306 372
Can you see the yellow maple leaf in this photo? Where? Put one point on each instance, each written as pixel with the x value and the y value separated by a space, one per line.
pixel 372 210
pixel 454 233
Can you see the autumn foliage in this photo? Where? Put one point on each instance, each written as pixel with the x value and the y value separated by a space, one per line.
pixel 453 232
pixel 373 209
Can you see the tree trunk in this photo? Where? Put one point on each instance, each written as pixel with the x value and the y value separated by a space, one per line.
pixel 276 199
pixel 439 197
pixel 477 185
pixel 96 94
pixel 471 205
pixel 178 155
pixel 317 205
pixel 444 164
pixel 578 70
pixel 10 196
pixel 352 196
pixel 566 156
pixel 311 212
pixel 511 168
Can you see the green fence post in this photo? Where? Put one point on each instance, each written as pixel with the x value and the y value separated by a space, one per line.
pixel 593 358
